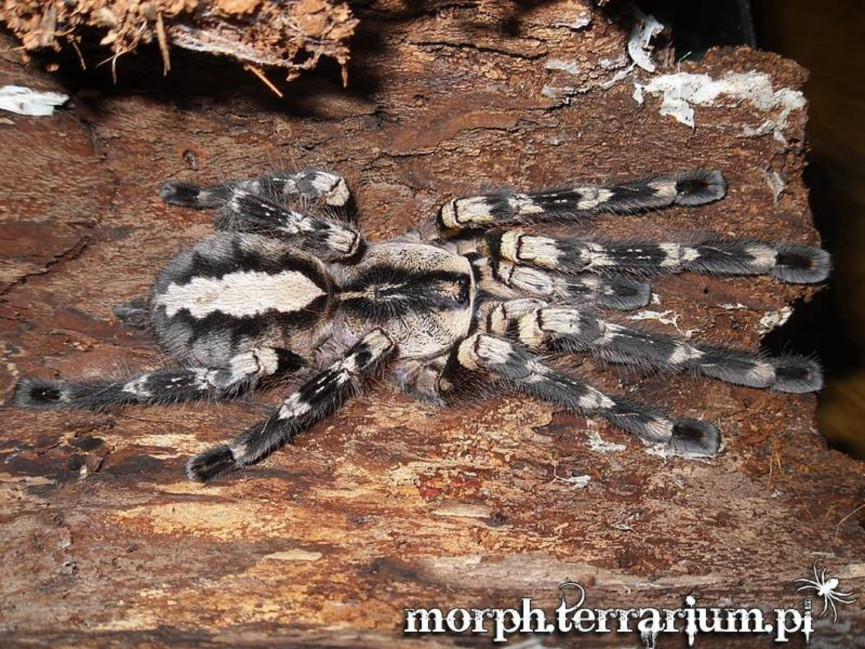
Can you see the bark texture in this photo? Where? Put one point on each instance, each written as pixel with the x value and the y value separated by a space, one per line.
pixel 289 34
pixel 392 503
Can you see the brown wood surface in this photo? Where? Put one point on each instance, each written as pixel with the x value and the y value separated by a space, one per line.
pixel 291 35
pixel 393 503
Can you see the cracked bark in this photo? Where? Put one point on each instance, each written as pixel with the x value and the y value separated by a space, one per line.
pixel 391 503
pixel 290 34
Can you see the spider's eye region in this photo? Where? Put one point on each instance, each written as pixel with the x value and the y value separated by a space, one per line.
pixel 462 294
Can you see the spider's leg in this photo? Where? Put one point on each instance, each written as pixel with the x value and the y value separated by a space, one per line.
pixel 175 192
pixel 842 597
pixel 317 398
pixel 134 313
pixel 790 262
pixel 828 602
pixel 318 187
pixel 247 211
pixel 609 292
pixel 240 375
pixel 579 202
pixel 315 187
pixel 571 330
pixel 330 239
pixel 519 368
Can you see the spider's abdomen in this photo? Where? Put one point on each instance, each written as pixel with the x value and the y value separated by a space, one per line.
pixel 235 292
pixel 421 295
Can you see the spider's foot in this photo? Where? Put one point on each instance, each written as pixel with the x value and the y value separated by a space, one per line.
pixel 40 395
pixel 699 187
pixel 188 195
pixel 800 264
pixel 135 313
pixel 211 464
pixel 694 438
pixel 624 295
pixel 796 374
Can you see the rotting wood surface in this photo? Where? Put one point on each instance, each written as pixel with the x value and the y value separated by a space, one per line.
pixel 393 503
pixel 289 34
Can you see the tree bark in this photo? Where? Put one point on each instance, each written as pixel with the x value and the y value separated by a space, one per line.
pixel 393 503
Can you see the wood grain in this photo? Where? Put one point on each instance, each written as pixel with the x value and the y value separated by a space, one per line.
pixel 392 503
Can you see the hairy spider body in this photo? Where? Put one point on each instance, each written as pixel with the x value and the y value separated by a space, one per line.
pixel 282 291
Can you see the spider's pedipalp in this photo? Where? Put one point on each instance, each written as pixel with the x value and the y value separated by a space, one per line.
pixel 312 186
pixel 610 292
pixel 317 398
pixel 578 202
pixel 240 375
pixel 315 185
pixel 519 368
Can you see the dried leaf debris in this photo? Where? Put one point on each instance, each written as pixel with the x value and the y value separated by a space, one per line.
pixel 288 34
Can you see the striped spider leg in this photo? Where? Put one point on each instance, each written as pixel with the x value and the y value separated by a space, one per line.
pixel 314 400
pixel 572 330
pixel 578 202
pixel 312 186
pixel 240 375
pixel 572 205
pixel 260 206
pixel 516 367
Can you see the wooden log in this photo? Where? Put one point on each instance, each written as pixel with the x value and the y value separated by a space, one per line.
pixel 393 503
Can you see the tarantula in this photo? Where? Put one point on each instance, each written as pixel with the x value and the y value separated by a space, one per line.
pixel 288 285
